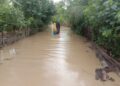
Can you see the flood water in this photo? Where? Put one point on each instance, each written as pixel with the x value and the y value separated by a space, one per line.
pixel 47 60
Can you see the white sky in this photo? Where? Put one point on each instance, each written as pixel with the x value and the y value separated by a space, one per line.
pixel 56 1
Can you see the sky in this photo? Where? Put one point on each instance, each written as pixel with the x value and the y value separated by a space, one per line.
pixel 56 1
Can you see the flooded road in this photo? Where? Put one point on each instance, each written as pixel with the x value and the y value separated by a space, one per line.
pixel 47 60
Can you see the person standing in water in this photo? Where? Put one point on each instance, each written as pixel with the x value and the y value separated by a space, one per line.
pixel 54 30
pixel 58 27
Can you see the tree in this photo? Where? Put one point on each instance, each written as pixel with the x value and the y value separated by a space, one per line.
pixel 102 17
pixel 40 11
pixel 10 18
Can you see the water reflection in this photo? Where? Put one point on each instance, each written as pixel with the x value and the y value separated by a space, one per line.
pixel 59 60
pixel 57 65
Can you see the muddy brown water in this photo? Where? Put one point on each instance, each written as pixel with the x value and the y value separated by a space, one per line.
pixel 47 60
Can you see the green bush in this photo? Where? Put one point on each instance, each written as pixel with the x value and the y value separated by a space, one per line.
pixel 33 14
pixel 10 18
pixel 40 11
pixel 102 17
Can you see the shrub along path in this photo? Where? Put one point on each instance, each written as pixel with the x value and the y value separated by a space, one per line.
pixel 46 60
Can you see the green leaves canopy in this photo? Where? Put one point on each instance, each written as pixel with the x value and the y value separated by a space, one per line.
pixel 39 10
pixel 10 18
pixel 15 14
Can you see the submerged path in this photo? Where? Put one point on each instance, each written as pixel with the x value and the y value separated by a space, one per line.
pixel 46 60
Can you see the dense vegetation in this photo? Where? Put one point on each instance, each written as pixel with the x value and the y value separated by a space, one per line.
pixel 99 20
pixel 23 14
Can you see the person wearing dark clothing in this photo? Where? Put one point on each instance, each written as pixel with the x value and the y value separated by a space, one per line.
pixel 58 27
